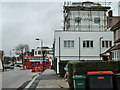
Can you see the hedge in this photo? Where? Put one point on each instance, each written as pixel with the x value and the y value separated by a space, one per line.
pixel 81 68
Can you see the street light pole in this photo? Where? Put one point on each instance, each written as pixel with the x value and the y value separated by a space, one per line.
pixel 42 53
pixel 41 44
pixel 100 46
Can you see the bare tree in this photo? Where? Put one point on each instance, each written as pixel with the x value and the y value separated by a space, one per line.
pixel 22 50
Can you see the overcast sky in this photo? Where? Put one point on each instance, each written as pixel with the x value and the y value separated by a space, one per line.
pixel 23 20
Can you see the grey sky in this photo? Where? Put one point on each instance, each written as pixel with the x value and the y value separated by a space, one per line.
pixel 22 22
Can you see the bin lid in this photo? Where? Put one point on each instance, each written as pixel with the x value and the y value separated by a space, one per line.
pixel 100 72
pixel 79 77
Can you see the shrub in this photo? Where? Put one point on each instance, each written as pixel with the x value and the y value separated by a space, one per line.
pixel 81 68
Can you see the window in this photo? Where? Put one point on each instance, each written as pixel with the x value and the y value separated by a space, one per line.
pixel 35 52
pixel 110 43
pixel 77 19
pixel 117 34
pixel 96 20
pixel 39 52
pixel 72 43
pixel 68 43
pixel 65 43
pixel 83 43
pixel 88 43
pixel 103 44
pixel 25 62
pixel 106 44
pixel 112 55
pixel 91 43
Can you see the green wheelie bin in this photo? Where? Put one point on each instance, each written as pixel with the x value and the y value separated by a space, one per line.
pixel 79 82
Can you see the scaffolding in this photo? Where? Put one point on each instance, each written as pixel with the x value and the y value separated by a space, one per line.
pixel 81 7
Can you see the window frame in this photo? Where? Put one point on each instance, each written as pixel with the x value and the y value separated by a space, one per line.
pixel 88 44
pixel 106 43
pixel 69 43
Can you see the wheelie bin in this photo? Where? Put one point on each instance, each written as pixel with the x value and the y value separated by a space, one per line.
pixel 100 80
pixel 79 82
pixel 117 81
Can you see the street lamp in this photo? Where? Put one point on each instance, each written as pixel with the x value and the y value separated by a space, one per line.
pixel 100 46
pixel 42 53
pixel 41 44
pixel 11 55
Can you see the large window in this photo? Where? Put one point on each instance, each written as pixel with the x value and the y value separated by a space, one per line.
pixel 117 34
pixel 68 43
pixel 87 43
pixel 39 52
pixel 35 52
pixel 106 44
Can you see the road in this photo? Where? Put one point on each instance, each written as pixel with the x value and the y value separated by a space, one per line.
pixel 16 77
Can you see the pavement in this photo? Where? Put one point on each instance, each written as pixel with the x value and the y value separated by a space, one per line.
pixel 49 79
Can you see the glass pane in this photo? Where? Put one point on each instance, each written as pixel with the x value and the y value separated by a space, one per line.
pixel 110 43
pixel 65 44
pixel 25 58
pixel 87 43
pixel 91 43
pixel 35 52
pixel 29 57
pixel 68 43
pixel 72 43
pixel 39 52
pixel 83 43
pixel 106 44
pixel 103 45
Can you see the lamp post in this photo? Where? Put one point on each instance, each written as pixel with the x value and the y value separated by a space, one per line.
pixel 42 53
pixel 100 46
pixel 41 44
pixel 11 55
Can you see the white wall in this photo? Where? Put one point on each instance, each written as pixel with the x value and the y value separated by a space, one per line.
pixel 85 52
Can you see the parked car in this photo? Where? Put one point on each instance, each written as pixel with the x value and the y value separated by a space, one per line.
pixel 8 66
pixel 18 65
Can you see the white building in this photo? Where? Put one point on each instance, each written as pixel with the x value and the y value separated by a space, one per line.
pixel 48 52
pixel 85 35
pixel 119 8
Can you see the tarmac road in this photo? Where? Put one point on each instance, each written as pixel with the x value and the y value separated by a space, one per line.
pixel 16 77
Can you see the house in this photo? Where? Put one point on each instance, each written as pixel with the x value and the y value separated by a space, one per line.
pixel 112 20
pixel 85 35
pixel 116 49
pixel 48 52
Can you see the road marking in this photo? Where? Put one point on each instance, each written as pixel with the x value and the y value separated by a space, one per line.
pixel 31 82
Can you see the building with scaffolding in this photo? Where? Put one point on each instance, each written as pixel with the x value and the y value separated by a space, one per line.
pixel 119 8
pixel 85 34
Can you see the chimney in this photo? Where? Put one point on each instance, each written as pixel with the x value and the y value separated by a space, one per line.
pixel 109 18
